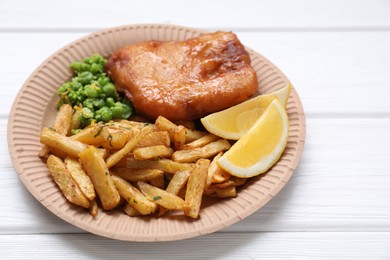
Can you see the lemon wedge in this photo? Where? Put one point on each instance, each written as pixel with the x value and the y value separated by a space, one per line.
pixel 261 147
pixel 234 122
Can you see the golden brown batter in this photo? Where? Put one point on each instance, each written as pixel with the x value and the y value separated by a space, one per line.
pixel 183 80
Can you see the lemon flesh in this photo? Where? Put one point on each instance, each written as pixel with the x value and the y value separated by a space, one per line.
pixel 261 147
pixel 234 122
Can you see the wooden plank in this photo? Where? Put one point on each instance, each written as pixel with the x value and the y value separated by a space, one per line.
pixel 246 14
pixel 264 245
pixel 333 72
pixel 341 184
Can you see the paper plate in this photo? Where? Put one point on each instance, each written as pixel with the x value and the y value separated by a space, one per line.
pixel 34 108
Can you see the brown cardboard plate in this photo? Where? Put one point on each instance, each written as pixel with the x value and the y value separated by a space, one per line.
pixel 34 107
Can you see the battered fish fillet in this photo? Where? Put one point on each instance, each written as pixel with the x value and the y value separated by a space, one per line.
pixel 183 80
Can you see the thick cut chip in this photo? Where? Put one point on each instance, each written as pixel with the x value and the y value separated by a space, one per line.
pixel 206 151
pixel 65 182
pixel 152 152
pixel 135 175
pixel 61 143
pixel 164 165
pixel 161 197
pixel 117 156
pixel 97 170
pixel 195 188
pixel 94 135
pixel 134 197
pixel 177 183
pixel 81 178
pixel 62 124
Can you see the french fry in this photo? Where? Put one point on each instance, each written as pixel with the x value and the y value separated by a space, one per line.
pixel 115 125
pixel 58 142
pixel 238 181
pixel 130 211
pixel 65 182
pixel 151 152
pixel 135 175
pixel 233 181
pixel 94 208
pixel 227 192
pixel 215 173
pixel 118 138
pixel 80 177
pixel 132 152
pixel 179 136
pixel 177 183
pixel 206 151
pixel 134 197
pixel 97 170
pixel 213 167
pixel 161 197
pixel 164 165
pixel 221 175
pixel 117 156
pixel 76 119
pixel 202 141
pixel 62 124
pixel 225 184
pixel 164 124
pixel 94 135
pixel 103 153
pixel 195 188
pixel 126 124
pixel 155 138
pixel 192 135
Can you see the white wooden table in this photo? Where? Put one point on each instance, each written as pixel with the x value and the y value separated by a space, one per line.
pixel 336 53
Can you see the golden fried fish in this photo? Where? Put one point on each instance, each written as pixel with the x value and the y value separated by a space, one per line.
pixel 184 80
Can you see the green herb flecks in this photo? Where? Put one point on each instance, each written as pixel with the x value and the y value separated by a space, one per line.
pixel 156 198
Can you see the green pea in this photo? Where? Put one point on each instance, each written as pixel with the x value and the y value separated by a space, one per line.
pixel 64 88
pixel 85 121
pixel 87 113
pixel 96 58
pixel 85 77
pixel 76 66
pixel 109 89
pixel 103 80
pixel 98 103
pixel 105 114
pixel 110 102
pixel 116 111
pixel 96 68
pixel 88 103
pixel 72 97
pixel 127 111
pixel 74 85
pixel 91 91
